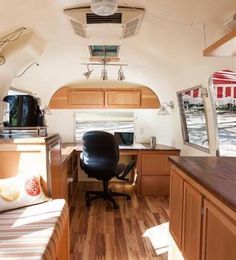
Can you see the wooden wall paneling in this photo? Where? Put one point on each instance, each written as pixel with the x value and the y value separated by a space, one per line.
pixel 176 207
pixel 192 223
pixel 219 234
pixel 123 98
pixel 82 98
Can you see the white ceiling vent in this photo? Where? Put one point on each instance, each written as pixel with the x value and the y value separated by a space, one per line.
pixel 78 28
pixel 127 18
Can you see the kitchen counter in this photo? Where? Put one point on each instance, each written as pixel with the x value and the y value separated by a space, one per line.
pixel 216 174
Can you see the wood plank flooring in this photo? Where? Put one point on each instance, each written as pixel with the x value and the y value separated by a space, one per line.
pixel 101 232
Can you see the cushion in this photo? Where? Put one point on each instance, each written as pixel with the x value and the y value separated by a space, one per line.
pixel 33 233
pixel 20 191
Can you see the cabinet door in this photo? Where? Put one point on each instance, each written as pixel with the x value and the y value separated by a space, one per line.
pixel 192 223
pixel 123 98
pixel 86 98
pixel 54 164
pixel 155 164
pixel 176 206
pixel 219 234
pixel 64 180
pixel 155 185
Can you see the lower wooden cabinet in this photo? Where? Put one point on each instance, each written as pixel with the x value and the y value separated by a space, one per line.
pixel 69 173
pixel 176 207
pixel 192 222
pixel 155 185
pixel 155 172
pixel 219 234
pixel 200 229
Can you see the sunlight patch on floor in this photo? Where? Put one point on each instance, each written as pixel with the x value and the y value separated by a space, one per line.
pixel 159 237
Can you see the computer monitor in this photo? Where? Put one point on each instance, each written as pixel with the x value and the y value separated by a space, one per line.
pixel 124 138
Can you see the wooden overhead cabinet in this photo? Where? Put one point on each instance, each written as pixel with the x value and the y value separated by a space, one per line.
pixel 109 97
pixel 123 98
pixel 86 98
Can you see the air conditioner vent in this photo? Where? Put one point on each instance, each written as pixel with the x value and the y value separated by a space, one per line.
pixel 78 28
pixel 123 24
pixel 95 19
pixel 130 28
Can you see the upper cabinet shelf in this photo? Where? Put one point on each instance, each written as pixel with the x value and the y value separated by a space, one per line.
pixel 225 46
pixel 92 97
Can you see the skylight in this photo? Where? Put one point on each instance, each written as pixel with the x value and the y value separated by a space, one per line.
pixel 100 50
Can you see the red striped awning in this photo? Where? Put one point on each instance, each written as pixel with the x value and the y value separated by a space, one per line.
pixel 225 77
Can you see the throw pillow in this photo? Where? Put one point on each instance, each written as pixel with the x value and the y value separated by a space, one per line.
pixel 20 191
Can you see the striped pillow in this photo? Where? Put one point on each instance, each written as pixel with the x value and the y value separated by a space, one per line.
pixel 20 191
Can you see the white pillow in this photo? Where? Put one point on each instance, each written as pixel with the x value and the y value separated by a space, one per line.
pixel 20 191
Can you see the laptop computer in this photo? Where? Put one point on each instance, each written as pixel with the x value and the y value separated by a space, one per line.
pixel 124 138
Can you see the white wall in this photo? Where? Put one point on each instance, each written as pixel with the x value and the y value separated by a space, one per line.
pixel 165 55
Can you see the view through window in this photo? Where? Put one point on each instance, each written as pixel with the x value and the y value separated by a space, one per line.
pixel 110 121
pixel 193 118
pixel 224 99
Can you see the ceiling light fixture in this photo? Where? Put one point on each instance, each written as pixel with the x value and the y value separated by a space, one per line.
pixel 121 75
pixel 88 73
pixel 104 7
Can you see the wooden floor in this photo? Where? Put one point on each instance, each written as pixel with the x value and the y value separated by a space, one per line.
pixel 101 232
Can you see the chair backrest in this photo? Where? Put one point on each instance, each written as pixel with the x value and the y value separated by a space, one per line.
pixel 100 155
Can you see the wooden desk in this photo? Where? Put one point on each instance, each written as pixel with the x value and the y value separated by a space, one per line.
pixel 152 167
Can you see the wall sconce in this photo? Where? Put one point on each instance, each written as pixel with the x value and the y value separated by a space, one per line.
pixel 163 109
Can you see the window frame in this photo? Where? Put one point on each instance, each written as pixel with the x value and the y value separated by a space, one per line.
pixel 183 121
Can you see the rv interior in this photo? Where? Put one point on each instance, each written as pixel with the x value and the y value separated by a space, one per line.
pixel 117 129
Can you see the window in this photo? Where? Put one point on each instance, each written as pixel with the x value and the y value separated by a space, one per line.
pixel 110 121
pixel 223 94
pixel 193 118
pixel 101 50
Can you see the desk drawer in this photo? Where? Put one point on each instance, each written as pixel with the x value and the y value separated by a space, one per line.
pixel 154 164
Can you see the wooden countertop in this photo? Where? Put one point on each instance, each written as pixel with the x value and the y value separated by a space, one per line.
pixel 27 139
pixel 68 148
pixel 216 174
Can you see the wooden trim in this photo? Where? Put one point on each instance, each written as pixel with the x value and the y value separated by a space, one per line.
pixel 222 47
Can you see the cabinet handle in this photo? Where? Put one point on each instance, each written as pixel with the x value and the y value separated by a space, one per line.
pixel 69 180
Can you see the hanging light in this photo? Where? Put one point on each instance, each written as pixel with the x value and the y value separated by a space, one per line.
pixel 104 74
pixel 121 75
pixel 88 72
pixel 104 7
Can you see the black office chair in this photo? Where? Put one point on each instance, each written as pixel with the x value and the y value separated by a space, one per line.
pixel 99 160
